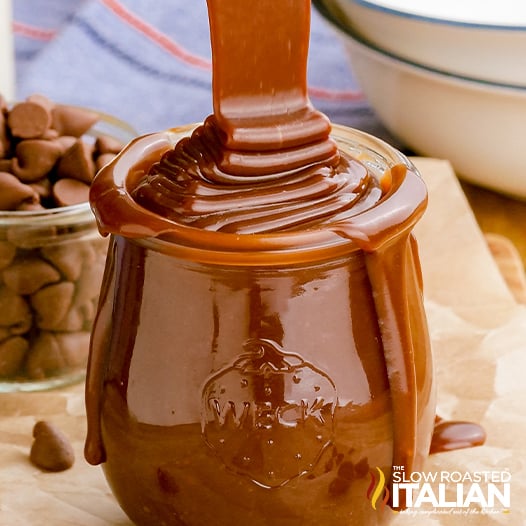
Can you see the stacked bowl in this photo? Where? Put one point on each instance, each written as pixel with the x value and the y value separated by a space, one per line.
pixel 448 79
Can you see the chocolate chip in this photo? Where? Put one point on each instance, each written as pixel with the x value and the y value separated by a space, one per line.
pixel 66 142
pixel 88 310
pixel 51 449
pixel 50 135
pixel 44 101
pixel 77 163
pixel 71 120
pixel 6 165
pixel 89 282
pixel 34 159
pixel 53 353
pixel 68 258
pixel 14 308
pixel 44 358
pixel 52 304
pixel 73 321
pixel 70 192
pixel 106 144
pixel 12 353
pixel 13 192
pixel 27 276
pixel 7 253
pixel 4 136
pixel 42 188
pixel 74 347
pixel 29 119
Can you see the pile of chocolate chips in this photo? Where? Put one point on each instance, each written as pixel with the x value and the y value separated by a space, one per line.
pixel 49 283
pixel 45 162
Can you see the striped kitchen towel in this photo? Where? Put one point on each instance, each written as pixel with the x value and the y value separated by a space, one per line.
pixel 148 62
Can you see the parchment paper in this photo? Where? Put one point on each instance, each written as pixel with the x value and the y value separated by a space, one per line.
pixel 478 333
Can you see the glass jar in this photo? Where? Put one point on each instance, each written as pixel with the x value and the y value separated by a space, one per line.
pixel 260 380
pixel 51 266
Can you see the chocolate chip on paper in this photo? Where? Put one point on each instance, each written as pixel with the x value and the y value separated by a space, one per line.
pixel 51 449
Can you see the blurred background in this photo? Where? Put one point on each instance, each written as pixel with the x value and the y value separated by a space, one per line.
pixel 148 63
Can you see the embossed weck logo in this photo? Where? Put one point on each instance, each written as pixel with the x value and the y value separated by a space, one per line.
pixel 269 415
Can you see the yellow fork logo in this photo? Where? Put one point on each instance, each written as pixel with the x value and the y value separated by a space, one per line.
pixel 378 492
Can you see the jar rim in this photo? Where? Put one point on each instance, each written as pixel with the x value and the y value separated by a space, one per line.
pixel 111 196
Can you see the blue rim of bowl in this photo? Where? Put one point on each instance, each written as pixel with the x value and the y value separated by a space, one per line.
pixel 435 20
pixel 331 19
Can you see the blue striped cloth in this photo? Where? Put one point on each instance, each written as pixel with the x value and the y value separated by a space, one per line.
pixel 148 62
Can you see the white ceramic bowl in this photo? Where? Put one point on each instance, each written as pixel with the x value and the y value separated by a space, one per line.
pixel 481 39
pixel 479 127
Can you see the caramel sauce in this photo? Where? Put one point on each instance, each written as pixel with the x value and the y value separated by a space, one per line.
pixel 264 161
pixel 258 210
pixel 187 188
pixel 451 435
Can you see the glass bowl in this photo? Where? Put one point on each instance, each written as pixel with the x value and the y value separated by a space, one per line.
pixel 51 266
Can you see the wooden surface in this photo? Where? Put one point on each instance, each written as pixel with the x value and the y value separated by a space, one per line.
pixel 498 214
pixel 510 264
pixel 503 222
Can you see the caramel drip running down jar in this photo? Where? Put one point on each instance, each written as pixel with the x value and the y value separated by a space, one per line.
pixel 258 379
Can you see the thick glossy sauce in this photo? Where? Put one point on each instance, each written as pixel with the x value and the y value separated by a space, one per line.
pixel 260 185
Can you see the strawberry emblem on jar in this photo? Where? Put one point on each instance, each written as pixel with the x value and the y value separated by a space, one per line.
pixel 270 414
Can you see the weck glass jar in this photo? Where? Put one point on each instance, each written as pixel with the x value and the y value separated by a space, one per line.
pixel 259 379
pixel 51 266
